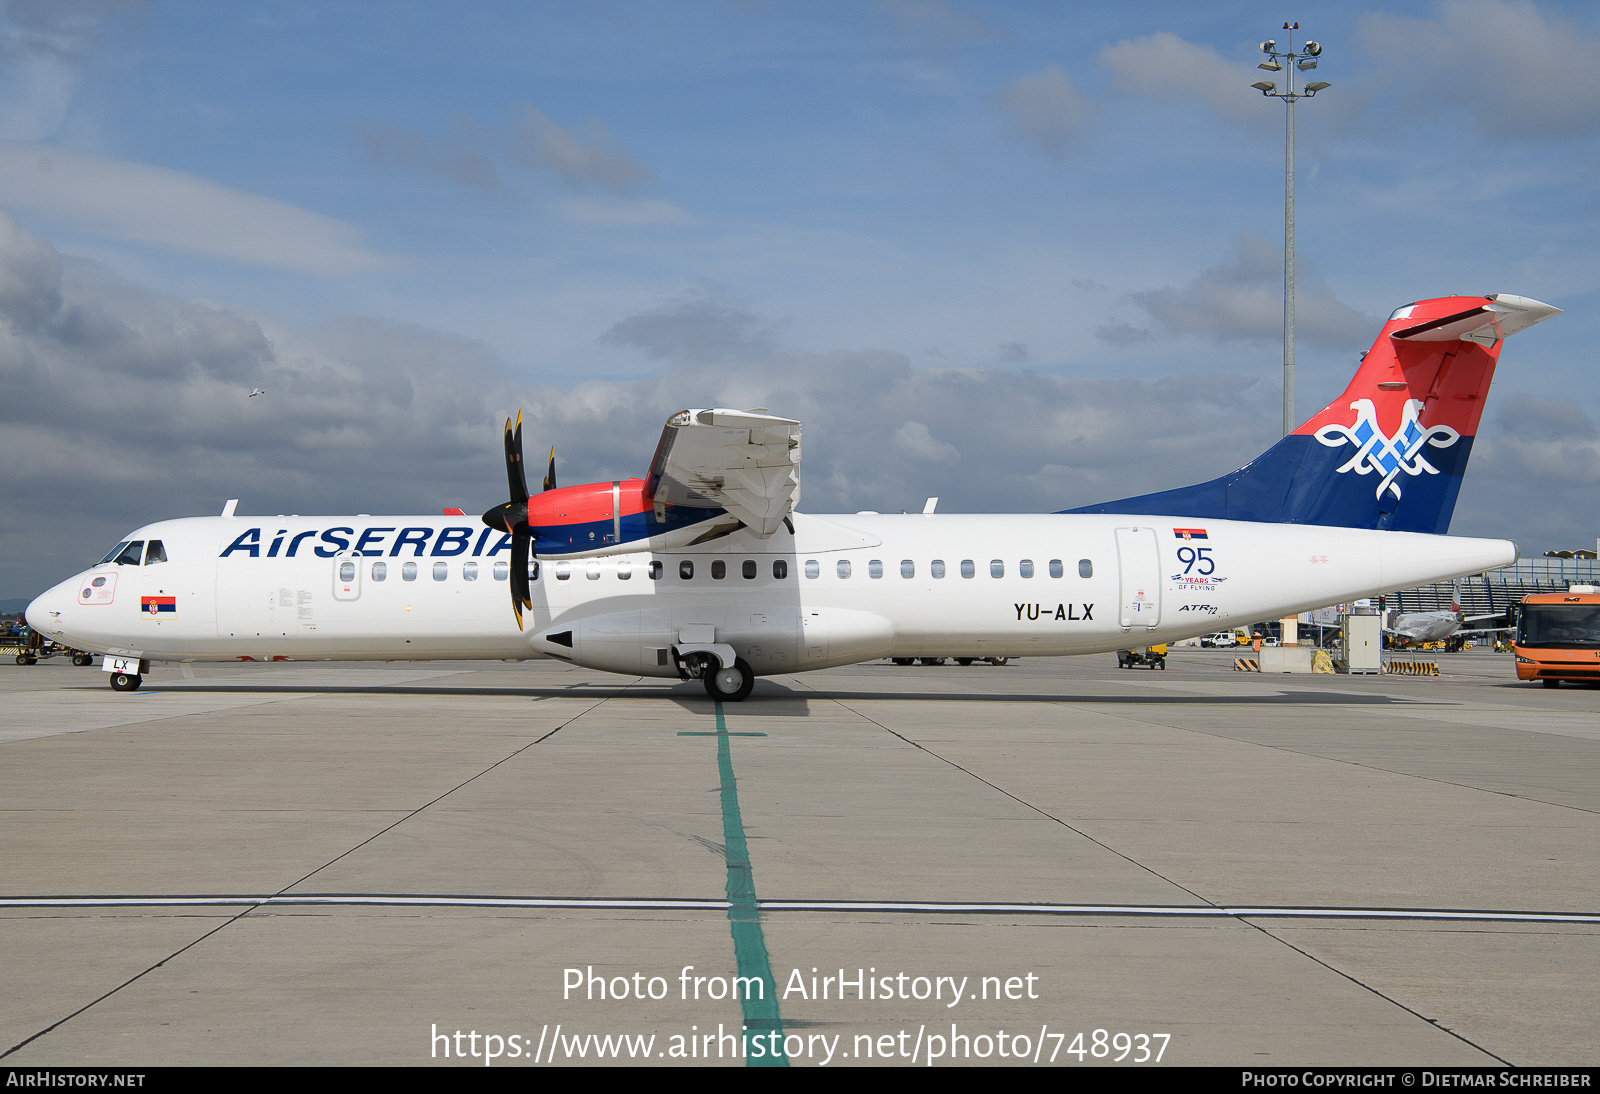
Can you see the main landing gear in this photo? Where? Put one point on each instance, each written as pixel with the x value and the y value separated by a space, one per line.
pixel 730 685
pixel 126 681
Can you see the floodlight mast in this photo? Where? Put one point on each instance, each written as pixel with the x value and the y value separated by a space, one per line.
pixel 1303 60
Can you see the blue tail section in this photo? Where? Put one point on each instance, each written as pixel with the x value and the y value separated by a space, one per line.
pixel 1391 451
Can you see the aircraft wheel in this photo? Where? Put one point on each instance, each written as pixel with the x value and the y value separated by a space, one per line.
pixel 1552 683
pixel 932 660
pixel 125 681
pixel 731 685
pixel 998 660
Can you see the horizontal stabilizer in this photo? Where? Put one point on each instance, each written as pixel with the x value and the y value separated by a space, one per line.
pixel 1503 316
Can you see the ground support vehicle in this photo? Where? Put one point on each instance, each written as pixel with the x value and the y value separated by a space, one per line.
pixel 1152 657
pixel 1558 637
pixel 28 647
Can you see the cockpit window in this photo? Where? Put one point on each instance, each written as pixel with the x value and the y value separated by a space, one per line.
pixel 154 552
pixel 130 554
pixel 113 553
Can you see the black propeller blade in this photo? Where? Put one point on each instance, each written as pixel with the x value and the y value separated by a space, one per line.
pixel 512 517
pixel 550 475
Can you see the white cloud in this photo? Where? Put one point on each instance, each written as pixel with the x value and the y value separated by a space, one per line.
pixel 579 160
pixel 1242 297
pixel 139 203
pixel 1164 66
pixel 1519 71
pixel 914 439
pixel 1046 110
pixel 697 328
pixel 44 44
pixel 454 156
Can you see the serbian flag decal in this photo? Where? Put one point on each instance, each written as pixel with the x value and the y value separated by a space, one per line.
pixel 1190 533
pixel 155 607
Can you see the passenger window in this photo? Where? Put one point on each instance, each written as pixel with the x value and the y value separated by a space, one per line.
pixel 502 570
pixel 967 568
pixel 780 569
pixel 380 572
pixel 656 569
pixel 1025 568
pixel 155 553
pixel 686 570
pixel 843 568
pixel 908 568
pixel 875 568
pixel 592 571
pixel 748 569
pixel 469 571
pixel 408 572
pixel 347 571
pixel 1085 568
pixel 719 569
pixel 130 554
pixel 812 567
pixel 1055 567
pixel 441 570
pixel 563 571
pixel 624 571
pixel 997 568
pixel 936 568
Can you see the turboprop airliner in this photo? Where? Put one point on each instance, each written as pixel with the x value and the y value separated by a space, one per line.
pixel 703 569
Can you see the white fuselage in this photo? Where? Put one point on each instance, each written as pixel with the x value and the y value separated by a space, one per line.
pixel 837 590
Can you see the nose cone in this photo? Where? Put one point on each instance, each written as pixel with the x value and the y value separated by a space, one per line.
pixel 48 612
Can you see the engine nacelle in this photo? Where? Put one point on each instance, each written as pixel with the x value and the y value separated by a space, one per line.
pixel 608 518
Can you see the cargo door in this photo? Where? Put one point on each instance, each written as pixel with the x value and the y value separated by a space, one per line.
pixel 1139 570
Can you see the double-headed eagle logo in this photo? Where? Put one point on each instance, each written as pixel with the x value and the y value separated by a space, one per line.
pixel 1386 456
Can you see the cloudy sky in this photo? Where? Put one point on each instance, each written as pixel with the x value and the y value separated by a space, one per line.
pixel 1022 256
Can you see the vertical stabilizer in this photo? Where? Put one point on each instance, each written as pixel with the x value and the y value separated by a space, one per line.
pixel 1388 453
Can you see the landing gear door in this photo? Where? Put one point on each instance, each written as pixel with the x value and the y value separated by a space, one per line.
pixel 1139 569
pixel 346 577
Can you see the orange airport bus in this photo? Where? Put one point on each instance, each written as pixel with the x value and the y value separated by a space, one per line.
pixel 1558 637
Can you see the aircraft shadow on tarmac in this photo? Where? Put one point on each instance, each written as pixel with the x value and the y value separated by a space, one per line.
pixel 769 694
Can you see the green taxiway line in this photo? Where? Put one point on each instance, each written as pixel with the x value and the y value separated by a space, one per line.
pixel 744 916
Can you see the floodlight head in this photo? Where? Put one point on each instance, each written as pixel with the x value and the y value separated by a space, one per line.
pixel 1268 46
pixel 1313 48
pixel 1313 88
pixel 1266 87
pixel 1309 62
pixel 1270 66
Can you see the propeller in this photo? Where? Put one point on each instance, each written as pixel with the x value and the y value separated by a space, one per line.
pixel 512 517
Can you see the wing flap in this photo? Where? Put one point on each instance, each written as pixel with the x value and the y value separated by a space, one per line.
pixel 742 461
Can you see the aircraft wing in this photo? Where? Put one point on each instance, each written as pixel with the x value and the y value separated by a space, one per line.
pixel 744 461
